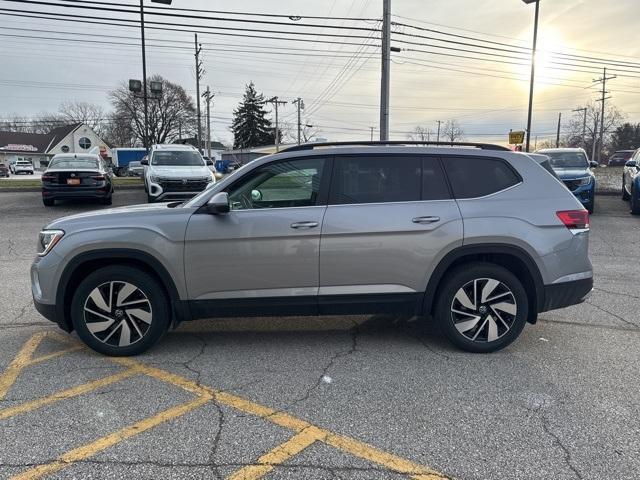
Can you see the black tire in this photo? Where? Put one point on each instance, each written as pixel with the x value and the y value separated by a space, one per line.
pixel 155 299
pixel 635 203
pixel 461 277
pixel 107 200
pixel 150 199
pixel 625 195
pixel 48 202
pixel 592 206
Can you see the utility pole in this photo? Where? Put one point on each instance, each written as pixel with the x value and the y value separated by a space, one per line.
pixel 584 124
pixel 386 70
pixel 199 74
pixel 558 133
pixel 438 137
pixel 594 142
pixel 533 70
pixel 277 102
pixel 300 103
pixel 144 81
pixel 372 133
pixel 604 97
pixel 208 96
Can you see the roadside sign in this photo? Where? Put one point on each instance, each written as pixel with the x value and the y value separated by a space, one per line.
pixel 516 138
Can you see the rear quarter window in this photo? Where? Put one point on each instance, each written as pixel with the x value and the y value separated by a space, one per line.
pixel 473 177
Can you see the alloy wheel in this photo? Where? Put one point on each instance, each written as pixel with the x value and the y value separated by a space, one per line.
pixel 117 313
pixel 484 310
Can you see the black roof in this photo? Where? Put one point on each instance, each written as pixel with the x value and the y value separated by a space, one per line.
pixel 42 142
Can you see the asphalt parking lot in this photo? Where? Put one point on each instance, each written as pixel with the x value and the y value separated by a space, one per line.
pixel 349 397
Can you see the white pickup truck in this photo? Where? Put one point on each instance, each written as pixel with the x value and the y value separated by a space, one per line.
pixel 23 166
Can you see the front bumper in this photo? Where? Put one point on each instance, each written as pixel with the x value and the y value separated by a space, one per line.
pixel 565 294
pixel 584 193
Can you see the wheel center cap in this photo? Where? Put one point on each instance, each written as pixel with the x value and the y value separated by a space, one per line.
pixel 119 313
pixel 483 310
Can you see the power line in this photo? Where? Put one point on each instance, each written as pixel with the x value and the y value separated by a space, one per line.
pixel 226 12
pixel 80 4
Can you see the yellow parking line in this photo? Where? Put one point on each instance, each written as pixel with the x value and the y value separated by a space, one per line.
pixel 90 449
pixel 19 363
pixel 59 353
pixel 66 394
pixel 344 443
pixel 278 455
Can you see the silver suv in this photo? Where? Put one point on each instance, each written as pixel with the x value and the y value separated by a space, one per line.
pixel 477 237
pixel 175 172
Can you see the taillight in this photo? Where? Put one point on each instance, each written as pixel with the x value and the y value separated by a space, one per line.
pixel 48 178
pixel 98 177
pixel 574 219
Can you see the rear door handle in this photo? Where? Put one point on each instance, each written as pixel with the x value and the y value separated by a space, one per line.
pixel 424 220
pixel 299 225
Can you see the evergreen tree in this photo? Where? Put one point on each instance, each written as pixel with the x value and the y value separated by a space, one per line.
pixel 250 126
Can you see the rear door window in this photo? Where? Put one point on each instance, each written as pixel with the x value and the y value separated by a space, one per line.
pixel 473 177
pixel 376 179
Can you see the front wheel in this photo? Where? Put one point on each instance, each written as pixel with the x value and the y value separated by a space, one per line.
pixel 120 311
pixel 481 307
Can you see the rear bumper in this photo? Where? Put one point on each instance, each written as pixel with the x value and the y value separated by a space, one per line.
pixel 82 192
pixel 565 294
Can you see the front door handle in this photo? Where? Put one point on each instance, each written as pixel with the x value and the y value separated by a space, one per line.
pixel 298 225
pixel 424 220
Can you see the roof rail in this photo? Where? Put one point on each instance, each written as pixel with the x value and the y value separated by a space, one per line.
pixel 311 146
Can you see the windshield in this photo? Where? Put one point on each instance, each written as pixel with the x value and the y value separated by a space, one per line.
pixel 177 158
pixel 80 162
pixel 567 159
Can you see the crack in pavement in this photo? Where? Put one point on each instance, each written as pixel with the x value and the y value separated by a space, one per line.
pixel 133 463
pixel 539 412
pixel 416 335
pixel 611 292
pixel 591 325
pixel 628 322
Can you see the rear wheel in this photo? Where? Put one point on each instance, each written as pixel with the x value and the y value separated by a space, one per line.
pixel 481 307
pixel 120 311
pixel 48 202
pixel 107 200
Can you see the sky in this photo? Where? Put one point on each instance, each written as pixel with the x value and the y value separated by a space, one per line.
pixel 340 84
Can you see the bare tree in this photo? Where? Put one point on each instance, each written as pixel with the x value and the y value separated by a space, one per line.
pixel 573 131
pixel 171 114
pixel 420 134
pixel 290 132
pixel 452 131
pixel 83 112
pixel 118 131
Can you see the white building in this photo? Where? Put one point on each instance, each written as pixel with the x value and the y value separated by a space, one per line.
pixel 40 148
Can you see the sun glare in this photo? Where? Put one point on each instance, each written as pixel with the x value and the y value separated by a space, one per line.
pixel 546 71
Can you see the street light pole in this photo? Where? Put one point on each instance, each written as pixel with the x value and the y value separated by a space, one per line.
pixel 533 69
pixel 145 140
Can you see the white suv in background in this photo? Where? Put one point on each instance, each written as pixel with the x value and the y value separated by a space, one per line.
pixel 23 166
pixel 175 172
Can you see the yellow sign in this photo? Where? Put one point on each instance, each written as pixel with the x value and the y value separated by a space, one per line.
pixel 516 138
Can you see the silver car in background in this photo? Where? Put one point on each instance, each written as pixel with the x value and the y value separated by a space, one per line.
pixel 479 238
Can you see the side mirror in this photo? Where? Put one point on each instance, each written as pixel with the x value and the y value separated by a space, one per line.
pixel 144 162
pixel 593 164
pixel 219 204
pixel 209 163
pixel 631 163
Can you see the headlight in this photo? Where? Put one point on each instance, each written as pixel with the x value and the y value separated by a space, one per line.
pixel 47 240
pixel 584 181
pixel 210 179
pixel 153 178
